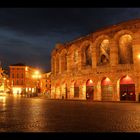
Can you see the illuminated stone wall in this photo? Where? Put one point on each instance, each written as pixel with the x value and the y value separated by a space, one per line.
pixel 110 53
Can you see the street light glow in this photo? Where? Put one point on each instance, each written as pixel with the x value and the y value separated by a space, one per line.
pixel 37 72
pixel 138 56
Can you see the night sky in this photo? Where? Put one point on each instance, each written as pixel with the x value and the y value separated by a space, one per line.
pixel 28 35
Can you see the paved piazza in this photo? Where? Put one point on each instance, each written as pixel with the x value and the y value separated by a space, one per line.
pixel 41 115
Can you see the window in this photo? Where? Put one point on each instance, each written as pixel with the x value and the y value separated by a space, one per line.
pixel 104 52
pixel 13 82
pixel 17 75
pixel 17 82
pixel 21 82
pixel 22 75
pixel 88 56
pixel 13 75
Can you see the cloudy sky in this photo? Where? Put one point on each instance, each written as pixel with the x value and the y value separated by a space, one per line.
pixel 29 35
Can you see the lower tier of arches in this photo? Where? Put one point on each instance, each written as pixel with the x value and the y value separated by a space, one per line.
pixel 124 89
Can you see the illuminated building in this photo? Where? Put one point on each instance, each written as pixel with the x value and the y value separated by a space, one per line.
pixel 23 79
pixel 4 82
pixel 46 84
pixel 103 66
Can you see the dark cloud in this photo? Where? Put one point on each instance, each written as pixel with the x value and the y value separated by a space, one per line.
pixel 30 34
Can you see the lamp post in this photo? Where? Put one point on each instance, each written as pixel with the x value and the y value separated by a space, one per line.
pixel 37 76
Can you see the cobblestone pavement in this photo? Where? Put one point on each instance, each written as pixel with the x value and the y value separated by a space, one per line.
pixel 41 115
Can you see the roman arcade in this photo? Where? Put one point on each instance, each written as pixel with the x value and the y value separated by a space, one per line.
pixel 102 66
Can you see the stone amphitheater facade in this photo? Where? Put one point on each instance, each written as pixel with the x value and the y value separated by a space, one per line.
pixel 102 66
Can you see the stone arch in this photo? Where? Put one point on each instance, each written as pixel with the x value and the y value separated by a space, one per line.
pixel 57 63
pixel 106 89
pixel 89 89
pixel 127 88
pixel 124 41
pixel 57 90
pixel 76 91
pixel 64 89
pixel 53 64
pixel 86 53
pixel 71 48
pixel 122 32
pixel 63 60
pixel 73 56
pixel 125 49
pixel 102 44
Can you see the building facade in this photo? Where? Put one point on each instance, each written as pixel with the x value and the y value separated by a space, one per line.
pixel 4 82
pixel 23 79
pixel 102 66
pixel 46 84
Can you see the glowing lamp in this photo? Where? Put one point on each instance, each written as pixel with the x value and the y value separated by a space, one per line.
pixel 138 56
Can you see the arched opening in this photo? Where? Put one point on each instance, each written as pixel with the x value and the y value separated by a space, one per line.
pixel 57 64
pixel 75 57
pixel 76 90
pixel 57 91
pixel 72 58
pixel 125 49
pixel 88 59
pixel 63 62
pixel 104 52
pixel 106 89
pixel 53 65
pixel 127 89
pixel 64 91
pixel 89 90
pixel 86 55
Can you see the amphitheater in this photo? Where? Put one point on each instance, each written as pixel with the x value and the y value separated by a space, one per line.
pixel 101 66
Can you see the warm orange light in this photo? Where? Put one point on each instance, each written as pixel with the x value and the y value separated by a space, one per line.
pixel 127 77
pixel 126 80
pixel 36 75
pixel 90 81
pixel 138 56
pixel 37 72
pixel 26 68
pixel 107 79
pixel 16 90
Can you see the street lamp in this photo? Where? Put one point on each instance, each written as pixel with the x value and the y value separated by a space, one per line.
pixel 37 76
